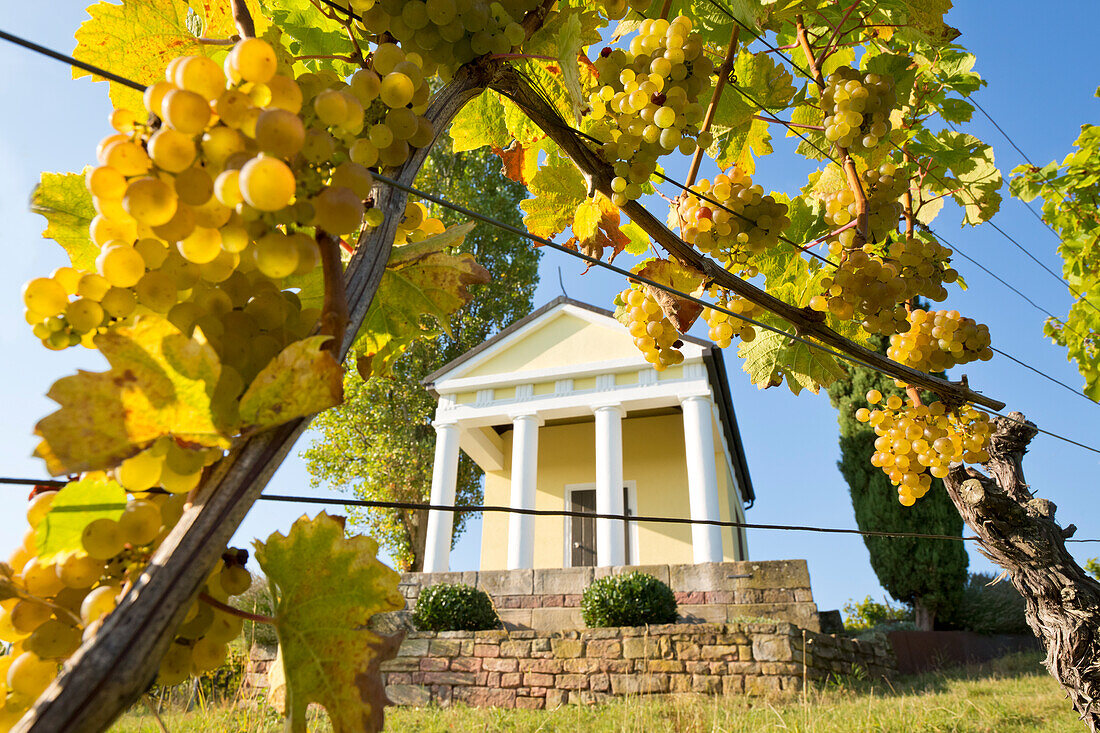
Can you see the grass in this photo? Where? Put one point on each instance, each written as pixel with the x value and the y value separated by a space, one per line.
pixel 1009 695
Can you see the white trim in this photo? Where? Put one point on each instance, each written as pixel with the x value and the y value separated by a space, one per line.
pixel 572 371
pixel 631 487
pixel 484 446
pixel 666 393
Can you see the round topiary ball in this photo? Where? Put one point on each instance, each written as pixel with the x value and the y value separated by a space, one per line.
pixel 632 599
pixel 454 607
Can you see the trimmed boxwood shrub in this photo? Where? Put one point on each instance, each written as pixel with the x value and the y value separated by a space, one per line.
pixel 454 607
pixel 632 599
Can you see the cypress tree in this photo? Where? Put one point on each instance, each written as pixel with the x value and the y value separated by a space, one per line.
pixel 927 574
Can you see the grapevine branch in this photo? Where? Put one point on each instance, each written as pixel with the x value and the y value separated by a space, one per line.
pixel 226 608
pixel 109 673
pixel 723 74
pixel 848 163
pixel 245 26
pixel 334 310
pixel 807 323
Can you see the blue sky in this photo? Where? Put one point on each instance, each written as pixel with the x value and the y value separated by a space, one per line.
pixel 1040 90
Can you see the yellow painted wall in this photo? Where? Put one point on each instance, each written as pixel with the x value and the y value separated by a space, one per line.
pixel 653 458
pixel 557 343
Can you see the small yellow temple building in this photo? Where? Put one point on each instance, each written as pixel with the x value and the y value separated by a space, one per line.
pixel 562 412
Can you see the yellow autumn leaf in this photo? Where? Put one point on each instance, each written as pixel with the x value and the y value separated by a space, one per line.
pixel 302 380
pixel 137 38
pixel 679 277
pixel 160 383
pixel 326 588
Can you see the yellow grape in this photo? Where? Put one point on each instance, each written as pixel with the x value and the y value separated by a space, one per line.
pixel 194 186
pixel 84 314
pixel 254 60
pixel 201 246
pixel 276 255
pixel 101 539
pixel 154 96
pixel 280 133
pixel 53 640
pixel 41 579
pixel 105 182
pixel 30 676
pixel 201 75
pixel 79 571
pixel 121 265
pixel 118 302
pixel 397 89
pixel 128 158
pixel 140 472
pixel 172 150
pixel 98 604
pixel 185 111
pixel 150 200
pixel 285 93
pixel 338 210
pixel 176 665
pixel 267 183
pixel 235 579
pixel 156 291
pixel 39 506
pixel 92 286
pixel 140 522
pixel 45 296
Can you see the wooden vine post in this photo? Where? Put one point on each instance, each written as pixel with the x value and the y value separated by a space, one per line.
pixel 1018 532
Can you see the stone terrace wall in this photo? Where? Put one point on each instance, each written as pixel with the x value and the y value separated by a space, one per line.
pixel 528 669
pixel 548 599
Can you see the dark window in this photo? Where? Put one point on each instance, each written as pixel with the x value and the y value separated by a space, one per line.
pixel 583 529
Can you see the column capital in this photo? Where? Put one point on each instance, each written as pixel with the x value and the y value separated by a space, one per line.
pixel 701 394
pixel 531 416
pixel 610 407
pixel 440 424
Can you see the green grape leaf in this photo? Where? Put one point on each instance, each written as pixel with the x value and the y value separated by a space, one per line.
pixel 74 507
pixel 637 240
pixel 480 123
pixel 423 280
pixel 302 380
pixel 307 32
pixel 65 202
pixel 963 166
pixel 683 278
pixel 326 587
pixel 760 85
pixel 160 383
pixel 310 288
pixel 569 48
pixel 771 357
pixel 558 190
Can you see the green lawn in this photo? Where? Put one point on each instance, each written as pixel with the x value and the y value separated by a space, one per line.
pixel 1008 695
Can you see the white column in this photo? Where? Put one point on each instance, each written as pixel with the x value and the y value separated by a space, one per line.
pixel 706 540
pixel 437 547
pixel 521 527
pixel 610 547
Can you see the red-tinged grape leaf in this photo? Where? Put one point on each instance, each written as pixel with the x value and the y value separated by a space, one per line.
pixel 65 202
pixel 422 281
pixel 75 506
pixel 686 279
pixel 518 162
pixel 302 380
pixel 160 383
pixel 136 39
pixel 326 588
pixel 771 357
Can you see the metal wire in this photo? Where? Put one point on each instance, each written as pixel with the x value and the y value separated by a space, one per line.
pixel 70 60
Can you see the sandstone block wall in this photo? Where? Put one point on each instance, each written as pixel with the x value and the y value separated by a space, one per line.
pixel 548 599
pixel 529 669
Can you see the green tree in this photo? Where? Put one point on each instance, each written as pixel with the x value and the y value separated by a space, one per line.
pixel 927 574
pixel 380 444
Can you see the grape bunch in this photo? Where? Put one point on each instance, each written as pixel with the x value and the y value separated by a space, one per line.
pixel 857 108
pixel 747 223
pixel 939 340
pixel 723 327
pixel 883 188
pixel 865 286
pixel 653 333
pixel 449 32
pixel 648 102
pixel 616 9
pixel 60 601
pixel 924 265
pixel 917 442
pixel 203 212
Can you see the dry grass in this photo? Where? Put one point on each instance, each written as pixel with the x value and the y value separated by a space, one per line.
pixel 1010 695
